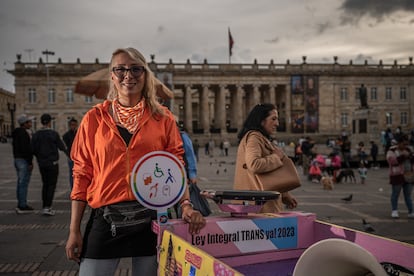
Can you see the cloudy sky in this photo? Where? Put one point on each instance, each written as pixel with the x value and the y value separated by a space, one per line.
pixel 187 29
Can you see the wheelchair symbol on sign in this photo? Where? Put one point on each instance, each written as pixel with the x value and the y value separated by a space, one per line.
pixel 158 172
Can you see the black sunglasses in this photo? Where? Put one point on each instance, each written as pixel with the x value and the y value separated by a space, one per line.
pixel 136 71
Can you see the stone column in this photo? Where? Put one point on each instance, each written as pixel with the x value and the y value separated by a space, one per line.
pixel 188 109
pixel 204 109
pixel 256 95
pixel 264 95
pixel 272 93
pixel 288 113
pixel 220 108
pixel 236 107
pixel 252 97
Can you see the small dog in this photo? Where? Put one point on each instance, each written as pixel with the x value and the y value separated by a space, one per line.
pixel 327 183
pixel 346 175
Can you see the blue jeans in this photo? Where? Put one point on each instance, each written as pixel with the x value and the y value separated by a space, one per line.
pixel 146 265
pixel 395 194
pixel 23 178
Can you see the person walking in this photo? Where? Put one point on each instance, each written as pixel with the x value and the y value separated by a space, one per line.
pixel 256 153
pixel 189 156
pixel 23 161
pixel 196 149
pixel 226 147
pixel 374 154
pixel 362 171
pixel 361 151
pixel 346 151
pixel 388 137
pixel 199 202
pixel 112 137
pixel 307 153
pixel 207 148
pixel 68 138
pixel 211 146
pixel 45 143
pixel 400 159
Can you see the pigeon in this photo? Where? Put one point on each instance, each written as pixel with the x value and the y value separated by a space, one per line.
pixel 225 170
pixel 367 226
pixel 218 171
pixel 348 198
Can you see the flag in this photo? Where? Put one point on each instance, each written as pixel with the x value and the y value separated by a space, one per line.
pixel 231 42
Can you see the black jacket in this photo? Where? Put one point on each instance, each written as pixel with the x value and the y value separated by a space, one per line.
pixel 21 145
pixel 68 138
pixel 45 144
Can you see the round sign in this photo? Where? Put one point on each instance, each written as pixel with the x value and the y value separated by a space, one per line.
pixel 158 180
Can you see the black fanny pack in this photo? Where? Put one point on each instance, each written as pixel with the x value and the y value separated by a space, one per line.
pixel 128 217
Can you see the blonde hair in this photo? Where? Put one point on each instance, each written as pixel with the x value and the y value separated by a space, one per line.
pixel 149 90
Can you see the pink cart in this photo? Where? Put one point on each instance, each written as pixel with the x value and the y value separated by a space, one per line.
pixel 289 243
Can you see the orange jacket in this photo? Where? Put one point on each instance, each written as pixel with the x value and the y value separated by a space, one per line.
pixel 102 160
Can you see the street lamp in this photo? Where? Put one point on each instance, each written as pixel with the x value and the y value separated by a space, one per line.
pixel 47 53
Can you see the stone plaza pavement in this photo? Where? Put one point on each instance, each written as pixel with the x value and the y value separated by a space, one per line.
pixel 32 244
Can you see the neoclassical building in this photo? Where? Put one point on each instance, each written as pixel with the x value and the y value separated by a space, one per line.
pixel 7 113
pixel 212 100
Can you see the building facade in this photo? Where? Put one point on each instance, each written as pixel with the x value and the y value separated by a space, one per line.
pixel 7 113
pixel 212 100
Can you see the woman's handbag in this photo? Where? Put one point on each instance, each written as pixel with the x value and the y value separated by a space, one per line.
pixel 199 202
pixel 408 171
pixel 409 177
pixel 127 217
pixel 283 179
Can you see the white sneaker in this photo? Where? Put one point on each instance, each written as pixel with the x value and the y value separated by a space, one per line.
pixel 394 214
pixel 411 215
pixel 48 212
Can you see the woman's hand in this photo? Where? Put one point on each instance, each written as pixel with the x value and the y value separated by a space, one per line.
pixel 289 200
pixel 74 246
pixel 194 218
pixel 279 153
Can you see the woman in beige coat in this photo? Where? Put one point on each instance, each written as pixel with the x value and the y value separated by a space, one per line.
pixel 257 154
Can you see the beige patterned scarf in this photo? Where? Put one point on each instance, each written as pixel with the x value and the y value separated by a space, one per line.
pixel 128 117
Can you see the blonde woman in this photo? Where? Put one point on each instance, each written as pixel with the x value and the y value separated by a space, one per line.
pixel 111 138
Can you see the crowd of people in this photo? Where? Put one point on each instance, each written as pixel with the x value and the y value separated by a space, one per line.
pixel 398 153
pixel 44 144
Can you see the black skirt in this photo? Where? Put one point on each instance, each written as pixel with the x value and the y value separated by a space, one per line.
pixel 99 243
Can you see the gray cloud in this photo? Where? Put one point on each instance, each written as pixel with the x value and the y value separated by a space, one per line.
pixel 272 40
pixel 197 58
pixel 354 10
pixel 160 29
pixel 262 30
pixel 322 27
pixel 361 58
